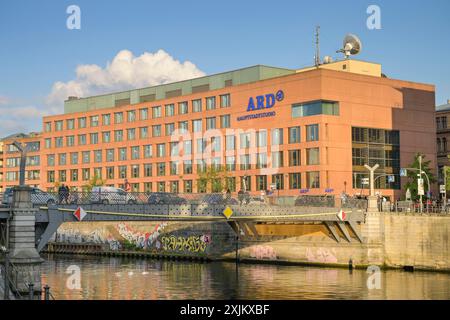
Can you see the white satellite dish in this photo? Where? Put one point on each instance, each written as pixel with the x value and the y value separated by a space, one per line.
pixel 351 45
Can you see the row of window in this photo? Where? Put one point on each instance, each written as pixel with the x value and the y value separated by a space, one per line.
pixel 262 159
pixel 312 134
pixel 143 114
pixel 246 182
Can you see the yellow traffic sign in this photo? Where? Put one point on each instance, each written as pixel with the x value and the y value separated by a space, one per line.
pixel 227 212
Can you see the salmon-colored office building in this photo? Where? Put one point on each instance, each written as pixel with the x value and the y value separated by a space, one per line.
pixel 307 131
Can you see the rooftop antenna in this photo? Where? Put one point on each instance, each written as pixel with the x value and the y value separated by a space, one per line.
pixel 351 45
pixel 317 56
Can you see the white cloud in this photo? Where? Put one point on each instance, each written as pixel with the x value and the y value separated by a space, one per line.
pixel 126 71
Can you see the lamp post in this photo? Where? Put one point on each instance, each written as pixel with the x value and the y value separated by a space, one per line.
pixel 372 205
pixel 23 158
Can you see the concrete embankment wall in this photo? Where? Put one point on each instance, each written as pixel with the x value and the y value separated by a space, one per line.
pixel 390 240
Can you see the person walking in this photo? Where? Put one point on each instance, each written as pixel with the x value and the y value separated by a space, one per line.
pixel 241 196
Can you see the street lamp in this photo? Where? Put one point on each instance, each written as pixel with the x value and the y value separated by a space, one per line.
pixel 23 158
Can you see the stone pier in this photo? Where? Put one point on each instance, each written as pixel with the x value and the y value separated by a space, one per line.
pixel 23 255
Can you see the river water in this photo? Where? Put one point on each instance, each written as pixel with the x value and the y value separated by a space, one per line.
pixel 132 278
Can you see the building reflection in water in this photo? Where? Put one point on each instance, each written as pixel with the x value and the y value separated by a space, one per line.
pixel 145 279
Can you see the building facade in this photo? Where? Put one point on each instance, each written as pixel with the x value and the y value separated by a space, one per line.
pixel 442 138
pixel 306 131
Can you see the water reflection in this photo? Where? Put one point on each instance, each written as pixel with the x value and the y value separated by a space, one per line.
pixel 124 278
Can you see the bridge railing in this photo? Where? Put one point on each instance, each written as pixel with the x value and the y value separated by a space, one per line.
pixel 166 198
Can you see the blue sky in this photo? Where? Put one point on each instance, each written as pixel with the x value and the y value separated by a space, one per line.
pixel 37 50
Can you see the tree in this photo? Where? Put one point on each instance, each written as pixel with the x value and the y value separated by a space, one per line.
pixel 214 178
pixel 412 175
pixel 95 181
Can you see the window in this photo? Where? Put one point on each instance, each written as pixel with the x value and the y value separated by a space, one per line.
pixel 201 165
pixel 246 183
pixel 143 132
pixel 187 187
pixel 312 132
pixel 160 150
pixel 210 103
pixel 74 175
pixel 277 137
pixel 48 143
pixel 50 160
pixel 215 144
pixel 294 158
pixel 48 126
pixel 86 157
pixel 81 122
pixel 294 135
pixel 312 180
pixel 183 107
pixel 174 167
pixel 187 167
pixel 148 151
pixel 278 180
pixel 94 138
pixel 261 138
pixel 224 100
pixel 135 152
pixel 294 180
pixel 109 172
pixel 174 186
pixel 131 116
pixel 261 160
pixel 230 142
pixel 315 108
pixel 210 123
pixel 261 183
pixel 98 172
pixel 245 162
pixel 82 139
pixel 70 123
pixel 225 121
pixel 183 126
pixel 131 134
pixel 174 150
pixel 62 175
pixel 143 114
pixel 244 140
pixel 122 172
pixel 70 141
pixel 118 117
pixel 277 159
pixel 156 130
pixel 197 105
pixel 161 169
pixel 170 128
pixel 97 156
pixel 94 121
pixel 161 186
pixel 197 125
pixel 122 154
pixel 312 156
pixel 201 145
pixel 58 125
pixel 106 119
pixel 187 147
pixel 62 159
pixel 74 158
pixel 156 112
pixel 230 163
pixel 50 176
pixel 170 110
pixel 59 142
pixel 106 137
pixel 109 155
pixel 148 170
pixel 118 135
pixel 135 171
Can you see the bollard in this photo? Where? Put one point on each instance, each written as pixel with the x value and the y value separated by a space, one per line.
pixel 46 293
pixel 31 291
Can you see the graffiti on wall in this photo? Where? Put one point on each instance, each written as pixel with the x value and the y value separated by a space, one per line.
pixel 194 244
pixel 263 252
pixel 139 239
pixel 97 236
pixel 322 255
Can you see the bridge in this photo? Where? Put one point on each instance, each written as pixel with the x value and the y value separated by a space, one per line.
pixel 28 223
